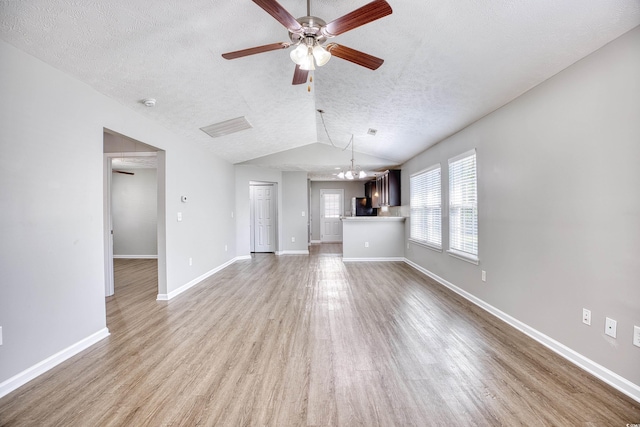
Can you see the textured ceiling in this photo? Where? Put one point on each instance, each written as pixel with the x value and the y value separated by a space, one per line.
pixel 446 65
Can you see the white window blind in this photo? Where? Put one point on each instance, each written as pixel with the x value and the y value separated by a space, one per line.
pixel 332 205
pixel 426 207
pixel 463 206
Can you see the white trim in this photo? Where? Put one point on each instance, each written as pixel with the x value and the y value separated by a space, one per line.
pixel 132 154
pixel 616 381
pixel 429 169
pixel 192 283
pixel 464 256
pixel 425 244
pixel 241 257
pixel 316 242
pixel 378 259
pixel 462 156
pixel 50 362
pixel 136 256
pixel 297 252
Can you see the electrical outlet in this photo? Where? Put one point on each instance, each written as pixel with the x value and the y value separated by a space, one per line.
pixel 303 213
pixel 484 276
pixel 293 240
pixel 225 248
pixel 1 335
pixel 586 316
pixel 190 261
pixel 366 244
pixel 610 327
pixel 636 335
pixel 179 216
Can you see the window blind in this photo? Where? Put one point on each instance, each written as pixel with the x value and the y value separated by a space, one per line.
pixel 463 205
pixel 426 206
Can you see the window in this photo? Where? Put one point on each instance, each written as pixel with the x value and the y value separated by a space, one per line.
pixel 332 208
pixel 463 207
pixel 426 207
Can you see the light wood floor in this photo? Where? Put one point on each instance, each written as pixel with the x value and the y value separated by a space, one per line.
pixel 308 340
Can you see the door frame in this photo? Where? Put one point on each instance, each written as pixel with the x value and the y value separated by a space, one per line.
pixel 322 193
pixel 108 221
pixel 252 228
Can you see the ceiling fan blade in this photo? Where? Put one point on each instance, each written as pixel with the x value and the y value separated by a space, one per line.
pixel 254 50
pixel 369 12
pixel 273 8
pixel 300 76
pixel 354 56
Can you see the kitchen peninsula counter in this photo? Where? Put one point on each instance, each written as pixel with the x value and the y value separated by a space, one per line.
pixel 373 238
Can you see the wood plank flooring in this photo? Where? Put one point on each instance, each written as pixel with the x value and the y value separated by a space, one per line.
pixel 310 341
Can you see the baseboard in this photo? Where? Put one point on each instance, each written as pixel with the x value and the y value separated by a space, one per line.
pixel 378 259
pixel 616 381
pixel 135 256
pixel 40 368
pixel 314 242
pixel 186 286
pixel 300 252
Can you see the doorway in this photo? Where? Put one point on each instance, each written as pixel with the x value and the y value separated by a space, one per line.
pixel 125 156
pixel 263 217
pixel 331 209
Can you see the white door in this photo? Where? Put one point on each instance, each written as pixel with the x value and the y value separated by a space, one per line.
pixel 331 209
pixel 264 218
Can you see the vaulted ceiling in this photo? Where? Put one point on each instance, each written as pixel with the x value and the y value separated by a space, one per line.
pixel 446 64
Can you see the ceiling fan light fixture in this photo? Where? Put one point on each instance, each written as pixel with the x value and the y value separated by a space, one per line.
pixel 307 63
pixel 321 55
pixel 299 54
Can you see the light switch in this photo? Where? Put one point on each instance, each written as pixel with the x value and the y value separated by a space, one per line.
pixel 179 216
pixel 302 213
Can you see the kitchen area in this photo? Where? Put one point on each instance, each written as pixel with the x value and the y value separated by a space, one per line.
pixel 375 229
pixel 372 220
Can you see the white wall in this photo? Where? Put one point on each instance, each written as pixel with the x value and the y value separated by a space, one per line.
pixel 51 221
pixel 351 189
pixel 559 206
pixel 296 202
pixel 134 210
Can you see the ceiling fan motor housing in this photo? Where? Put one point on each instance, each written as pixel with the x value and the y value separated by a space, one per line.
pixel 311 27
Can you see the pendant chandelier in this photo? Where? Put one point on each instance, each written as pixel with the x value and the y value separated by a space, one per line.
pixel 354 171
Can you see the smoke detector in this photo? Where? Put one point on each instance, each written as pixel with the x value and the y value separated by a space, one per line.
pixel 149 102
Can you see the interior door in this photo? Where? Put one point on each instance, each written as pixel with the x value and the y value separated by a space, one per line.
pixel 264 218
pixel 331 209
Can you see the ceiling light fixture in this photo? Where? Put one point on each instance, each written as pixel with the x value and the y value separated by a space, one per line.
pixel 354 171
pixel 308 49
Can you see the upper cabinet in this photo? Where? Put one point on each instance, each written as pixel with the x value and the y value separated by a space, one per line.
pixel 370 193
pixel 386 189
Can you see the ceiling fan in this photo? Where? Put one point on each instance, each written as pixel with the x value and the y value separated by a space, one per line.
pixel 309 33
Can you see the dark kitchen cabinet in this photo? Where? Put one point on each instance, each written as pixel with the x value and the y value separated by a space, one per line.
pixel 387 188
pixel 370 193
